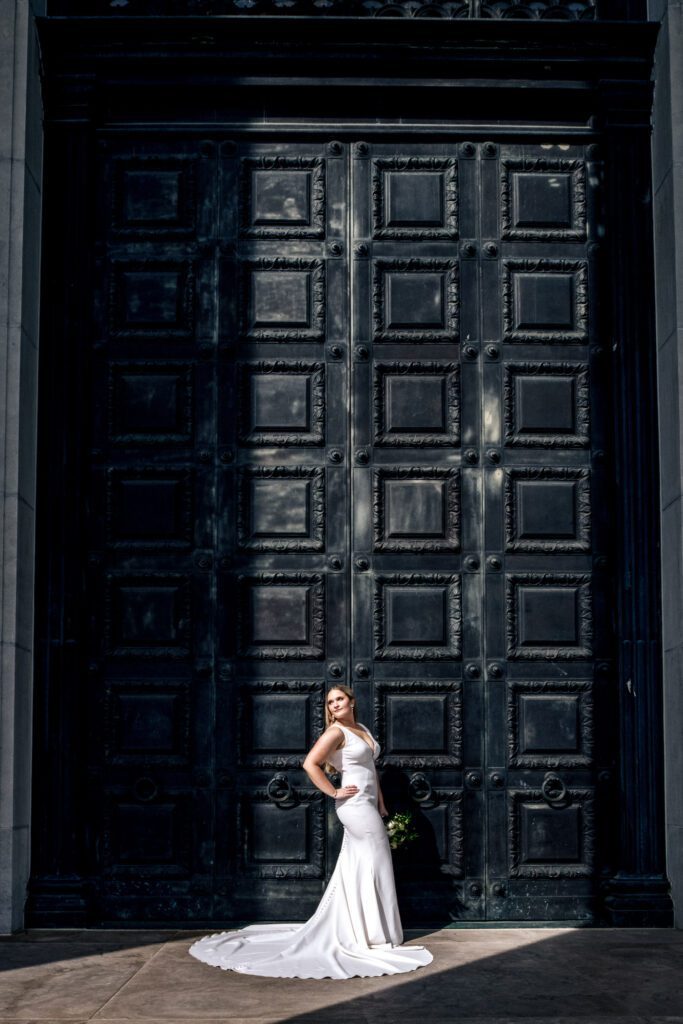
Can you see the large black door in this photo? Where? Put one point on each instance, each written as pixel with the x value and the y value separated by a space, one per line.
pixel 341 428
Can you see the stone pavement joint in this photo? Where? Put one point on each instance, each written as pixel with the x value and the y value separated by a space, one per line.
pixel 478 976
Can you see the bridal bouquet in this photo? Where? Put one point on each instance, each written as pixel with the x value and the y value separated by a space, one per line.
pixel 400 829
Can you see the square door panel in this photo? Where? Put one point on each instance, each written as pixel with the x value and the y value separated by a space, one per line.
pixel 551 841
pixel 546 405
pixel 281 841
pixel 279 720
pixel 154 197
pixel 281 403
pixel 419 722
pixel 146 838
pixel 150 298
pixel 550 723
pixel 147 721
pixel 549 616
pixel 148 615
pixel 415 300
pixel 149 508
pixel 415 198
pixel 416 509
pixel 417 617
pixel 545 301
pixel 150 403
pixel 281 508
pixel 543 200
pixel 416 404
pixel 283 300
pixel 282 197
pixel 281 615
pixel 547 509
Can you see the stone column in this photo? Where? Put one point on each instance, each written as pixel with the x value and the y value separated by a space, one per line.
pixel 20 216
pixel 668 216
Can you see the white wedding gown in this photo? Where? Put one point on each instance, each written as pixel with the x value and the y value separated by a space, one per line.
pixel 356 929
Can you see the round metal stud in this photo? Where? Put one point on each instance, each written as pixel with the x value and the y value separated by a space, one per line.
pixel 497 780
pixel 335 149
pixel 469 249
pixel 362 456
pixel 335 456
pixel 492 351
pixel 472 671
pixel 362 670
pixel 204 456
pixel 204 562
pixel 493 456
pixel 336 670
pixel 227 456
pixel 226 562
pixel 362 352
pixel 471 563
pixel 145 789
pixel 475 890
pixel 335 249
pixel 362 149
pixel 495 670
pixel 471 455
pixel 489 149
pixel 471 352
pixel 335 562
pixel 467 149
pixel 361 251
pixel 494 562
pixel 336 351
pixel 491 249
pixel 473 779
pixel 362 564
pixel 498 890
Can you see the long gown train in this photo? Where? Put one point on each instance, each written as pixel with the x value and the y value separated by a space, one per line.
pixel 356 929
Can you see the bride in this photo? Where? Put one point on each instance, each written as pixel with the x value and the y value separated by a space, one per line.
pixel 356 929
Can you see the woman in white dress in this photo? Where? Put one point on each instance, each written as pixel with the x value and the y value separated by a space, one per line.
pixel 356 929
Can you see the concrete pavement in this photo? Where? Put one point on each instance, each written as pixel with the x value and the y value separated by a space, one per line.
pixel 478 976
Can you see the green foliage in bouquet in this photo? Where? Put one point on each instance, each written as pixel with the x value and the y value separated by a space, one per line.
pixel 400 830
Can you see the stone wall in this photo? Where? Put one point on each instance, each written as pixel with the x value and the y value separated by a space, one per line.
pixel 668 215
pixel 20 215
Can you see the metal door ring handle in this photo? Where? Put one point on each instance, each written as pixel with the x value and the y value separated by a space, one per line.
pixel 553 789
pixel 279 790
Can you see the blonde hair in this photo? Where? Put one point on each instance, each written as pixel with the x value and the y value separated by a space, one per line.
pixel 329 717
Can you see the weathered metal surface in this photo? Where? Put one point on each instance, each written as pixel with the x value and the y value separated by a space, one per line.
pixel 336 406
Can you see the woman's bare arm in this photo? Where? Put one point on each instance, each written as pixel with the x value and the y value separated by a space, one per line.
pixel 317 756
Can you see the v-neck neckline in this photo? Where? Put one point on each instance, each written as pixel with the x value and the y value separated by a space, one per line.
pixel 371 748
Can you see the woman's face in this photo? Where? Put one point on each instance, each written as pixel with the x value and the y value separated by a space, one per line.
pixel 339 704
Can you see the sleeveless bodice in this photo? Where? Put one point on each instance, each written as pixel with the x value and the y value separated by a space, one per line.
pixel 356 762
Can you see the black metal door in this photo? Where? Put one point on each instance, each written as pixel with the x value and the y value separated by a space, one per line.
pixel 341 431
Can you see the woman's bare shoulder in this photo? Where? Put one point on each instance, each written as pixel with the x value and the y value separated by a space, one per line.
pixel 334 730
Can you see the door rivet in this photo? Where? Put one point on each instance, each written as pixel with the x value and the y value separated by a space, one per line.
pixel 336 670
pixel 362 564
pixel 335 456
pixel 495 670
pixel 362 456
